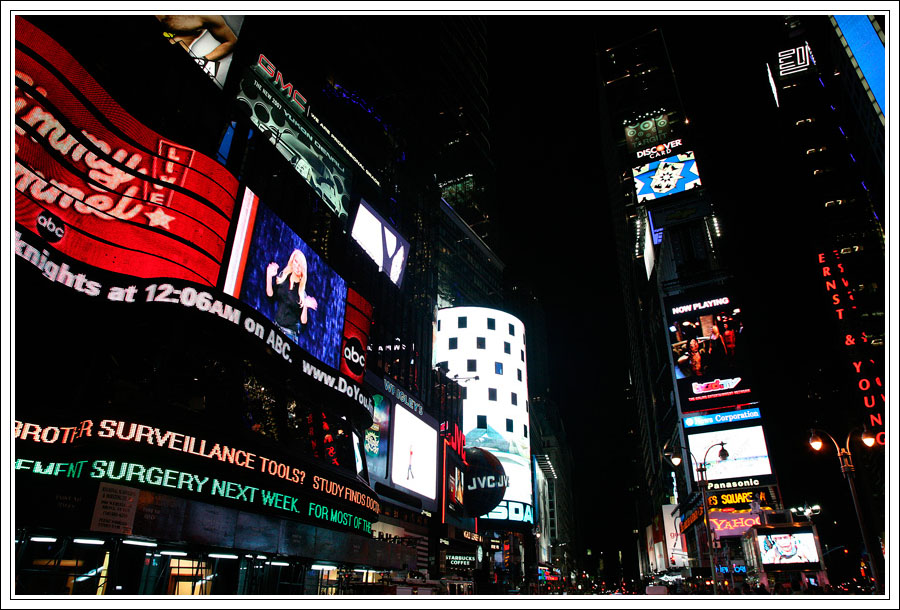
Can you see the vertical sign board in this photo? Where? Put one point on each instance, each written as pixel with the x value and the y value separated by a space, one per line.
pixel 709 358
pixel 413 446
pixel 377 436
pixel 101 187
pixel 675 547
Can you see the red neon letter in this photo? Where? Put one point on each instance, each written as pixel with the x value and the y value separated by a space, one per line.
pixel 266 65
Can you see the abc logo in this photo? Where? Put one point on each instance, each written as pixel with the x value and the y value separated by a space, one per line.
pixel 50 227
pixel 354 355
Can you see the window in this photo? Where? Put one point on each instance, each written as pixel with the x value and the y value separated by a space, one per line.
pixel 514 398
pixel 492 324
pixel 523 355
pixel 439 326
pixel 464 392
pixel 509 425
pixel 482 421
pixel 498 368
pixel 453 343
pixel 480 342
pixel 507 347
pixel 471 365
pixel 462 322
pixel 519 374
pixel 492 394
pixel 525 430
pixel 512 330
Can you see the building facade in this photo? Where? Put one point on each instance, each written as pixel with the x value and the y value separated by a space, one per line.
pixel 253 257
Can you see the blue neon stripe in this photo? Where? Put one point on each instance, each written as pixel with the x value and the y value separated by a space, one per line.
pixel 868 50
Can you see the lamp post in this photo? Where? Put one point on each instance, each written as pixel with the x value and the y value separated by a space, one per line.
pixel 704 484
pixel 806 510
pixel 845 458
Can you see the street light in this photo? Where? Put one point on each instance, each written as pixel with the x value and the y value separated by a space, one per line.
pixel 806 510
pixel 845 458
pixel 675 458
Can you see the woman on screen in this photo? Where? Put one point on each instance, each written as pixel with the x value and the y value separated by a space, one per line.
pixel 289 291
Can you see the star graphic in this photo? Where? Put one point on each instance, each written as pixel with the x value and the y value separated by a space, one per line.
pixel 158 218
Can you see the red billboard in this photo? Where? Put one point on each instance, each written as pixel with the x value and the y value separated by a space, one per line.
pixel 102 187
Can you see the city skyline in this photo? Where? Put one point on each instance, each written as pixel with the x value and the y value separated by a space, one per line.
pixel 552 232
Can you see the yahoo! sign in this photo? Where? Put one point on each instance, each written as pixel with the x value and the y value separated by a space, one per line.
pixel 732 524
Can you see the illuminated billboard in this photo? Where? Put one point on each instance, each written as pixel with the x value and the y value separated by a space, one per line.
pixel 183 457
pixel 788 548
pixel 863 42
pixel 208 39
pixel 414 453
pixel 402 446
pixel 381 242
pixel 675 546
pixel 729 417
pixel 669 176
pixel 281 113
pixel 274 271
pixel 101 187
pixel 747 464
pixel 485 350
pixel 355 340
pixel 378 435
pixel 661 150
pixel 648 132
pixel 709 357
pixel 733 523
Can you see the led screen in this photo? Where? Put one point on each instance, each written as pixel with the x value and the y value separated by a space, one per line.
pixel 485 349
pixel 454 473
pixel 414 454
pixel 709 355
pixel 279 275
pixel 748 456
pixel 668 176
pixel 280 113
pixel 730 417
pixel 381 242
pixel 378 437
pixel 208 39
pixel 867 48
pixel 648 132
pixel 787 547
pixel 100 186
pixel 355 342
